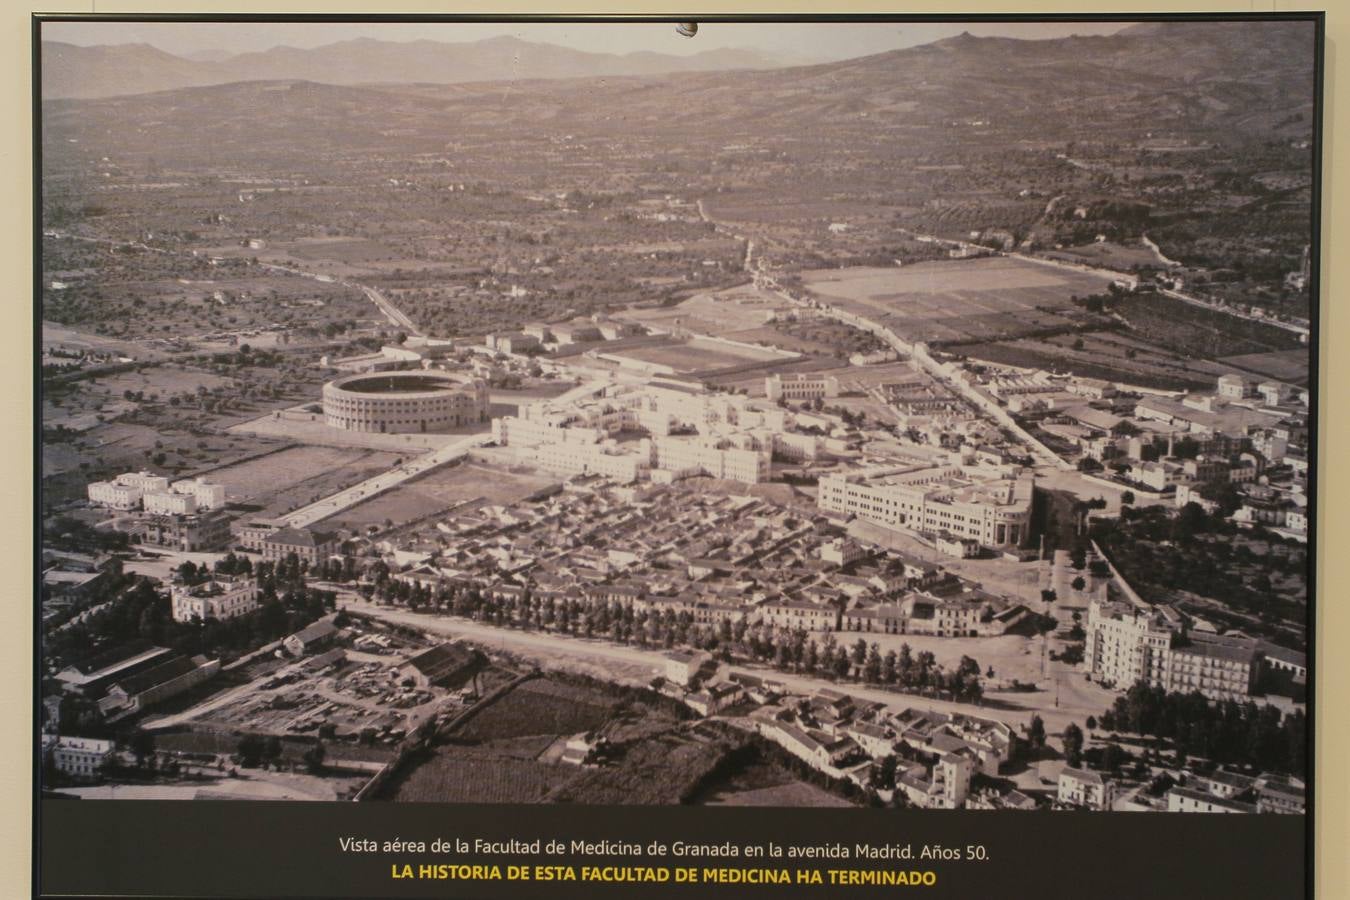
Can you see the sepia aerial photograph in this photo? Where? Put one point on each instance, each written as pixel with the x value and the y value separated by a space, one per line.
pixel 735 413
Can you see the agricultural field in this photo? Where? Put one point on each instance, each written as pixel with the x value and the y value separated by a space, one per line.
pixel 1200 332
pixel 1107 355
pixel 1109 255
pixel 660 770
pixel 437 491
pixel 509 752
pixel 492 772
pixel 538 707
pixel 960 301
pixel 761 782
pixel 1289 366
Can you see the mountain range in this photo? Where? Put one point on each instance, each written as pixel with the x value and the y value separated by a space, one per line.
pixel 1213 81
pixel 73 71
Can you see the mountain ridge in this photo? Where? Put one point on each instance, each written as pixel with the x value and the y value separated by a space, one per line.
pixel 71 71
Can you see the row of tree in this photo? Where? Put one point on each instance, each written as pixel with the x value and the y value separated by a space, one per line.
pixel 789 650
pixel 1226 732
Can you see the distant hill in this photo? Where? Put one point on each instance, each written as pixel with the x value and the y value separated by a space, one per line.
pixel 71 71
pixel 1216 82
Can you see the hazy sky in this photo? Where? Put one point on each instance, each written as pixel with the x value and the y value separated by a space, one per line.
pixel 811 40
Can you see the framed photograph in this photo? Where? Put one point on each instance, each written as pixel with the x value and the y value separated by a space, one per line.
pixel 526 456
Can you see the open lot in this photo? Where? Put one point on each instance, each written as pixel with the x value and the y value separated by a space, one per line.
pixel 437 491
pixel 289 475
pixel 959 300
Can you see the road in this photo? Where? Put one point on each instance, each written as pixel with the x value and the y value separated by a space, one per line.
pixel 391 312
pixel 1077 698
pixel 918 353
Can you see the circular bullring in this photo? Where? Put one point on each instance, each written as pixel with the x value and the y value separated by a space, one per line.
pixel 403 402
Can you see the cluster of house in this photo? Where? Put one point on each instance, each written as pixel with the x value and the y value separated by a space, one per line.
pixel 937 754
pixel 1214 792
pixel 1126 642
pixel 1231 792
pixel 1243 433
pixel 716 557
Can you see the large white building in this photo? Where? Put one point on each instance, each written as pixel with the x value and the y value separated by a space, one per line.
pixel 221 598
pixel 206 494
pixel 114 495
pixel 963 501
pixel 170 503
pixel 1125 644
pixel 607 459
pixel 801 387
pixel 145 481
pixel 127 490
pixel 734 441
pixel 80 757
pixel 685 457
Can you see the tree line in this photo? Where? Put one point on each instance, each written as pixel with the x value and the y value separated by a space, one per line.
pixel 787 650
pixel 1226 732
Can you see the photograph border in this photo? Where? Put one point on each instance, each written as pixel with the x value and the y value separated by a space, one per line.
pixel 1316 705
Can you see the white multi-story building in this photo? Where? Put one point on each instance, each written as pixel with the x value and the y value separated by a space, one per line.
pixel 114 495
pixel 945 786
pixel 801 387
pixel 207 495
pixel 605 459
pixel 1125 644
pixel 221 598
pixel 170 503
pixel 145 481
pixel 795 447
pixel 516 430
pixel 842 552
pixel 706 456
pixel 1079 787
pixel 80 757
pixel 1234 387
pixel 994 511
